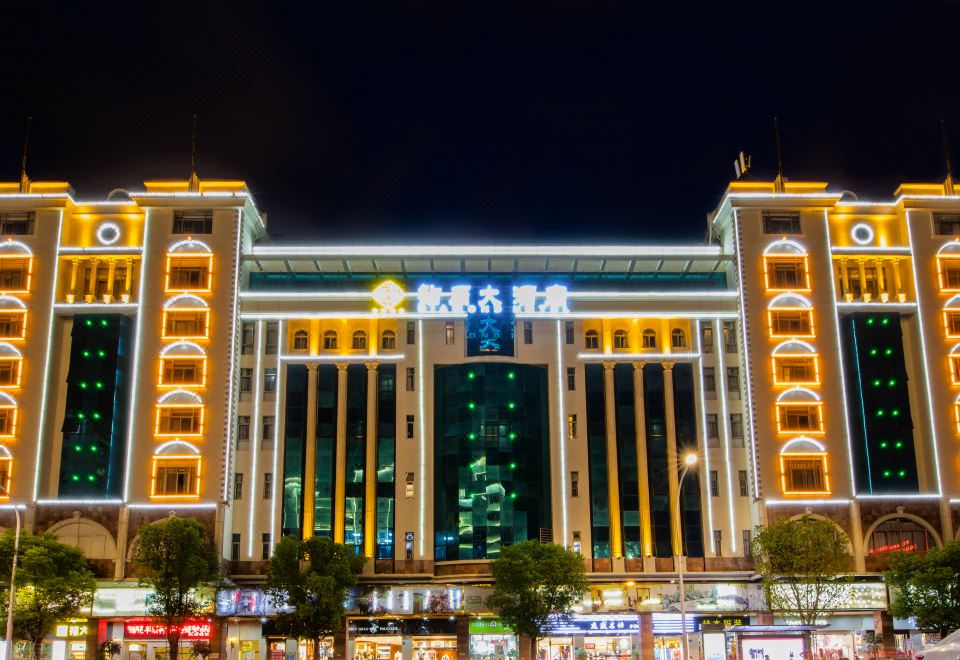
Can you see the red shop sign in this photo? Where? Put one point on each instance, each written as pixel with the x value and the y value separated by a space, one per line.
pixel 146 628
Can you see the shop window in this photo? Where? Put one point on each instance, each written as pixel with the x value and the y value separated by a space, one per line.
pixel 795 370
pixel 804 473
pixel 176 476
pixel 591 340
pixel 678 338
pixel 786 273
pixel 189 273
pixel 15 274
pixel 301 340
pixel 949 271
pixel 185 324
pixel 620 340
pixel 899 535
pixel 176 371
pixel 13 324
pixel 179 420
pixel 359 340
pixel 649 339
pixel 790 322
pixel 388 340
pixel 329 340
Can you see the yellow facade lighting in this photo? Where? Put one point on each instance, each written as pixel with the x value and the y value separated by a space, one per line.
pixel 796 369
pixel 179 420
pixel 189 272
pixel 786 272
pixel 16 273
pixel 13 324
pixel 809 459
pixel 6 476
pixel 791 323
pixel 792 414
pixel 177 371
pixel 186 324
pixel 948 272
pixel 161 476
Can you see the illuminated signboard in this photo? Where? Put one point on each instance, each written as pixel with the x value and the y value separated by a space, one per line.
pixel 587 624
pixel 146 628
pixel 74 628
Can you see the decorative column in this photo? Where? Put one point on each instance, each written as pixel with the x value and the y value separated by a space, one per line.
pixel 897 288
pixel 862 269
pixel 340 477
pixel 309 485
pixel 92 286
pixel 881 280
pixel 613 481
pixel 643 471
pixel 72 291
pixel 111 273
pixel 856 532
pixel 370 467
pixel 845 280
pixel 128 280
pixel 672 457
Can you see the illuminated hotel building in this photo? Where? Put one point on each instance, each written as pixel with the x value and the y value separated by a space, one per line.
pixel 430 405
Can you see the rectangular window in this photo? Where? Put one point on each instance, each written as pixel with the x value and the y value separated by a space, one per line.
pixel 265 546
pixel 747 541
pixel 17 223
pixel 272 338
pixel 176 477
pixel 736 426
pixel 954 369
pixel 408 483
pixel 714 483
pixel 243 428
pixel 718 542
pixel 179 420
pixel 574 484
pixel 192 223
pixel 742 476
pixel 411 332
pixel 183 371
pixel 706 338
pixel 799 417
pixel 185 324
pixel 571 378
pixel 949 269
pixel 10 373
pixel 266 433
pixel 411 379
pixel 795 370
pixel 528 332
pixel 733 379
pixel 8 422
pixel 410 427
pixel 729 337
pixel 247 334
pixel 246 379
pixel 786 273
pixel 235 547
pixel 13 324
pixel 238 486
pixel 946 224
pixel 572 427
pixel 709 379
pixel 804 474
pixel 791 322
pixel 951 321
pixel 189 273
pixel 449 333
pixel 713 427
pixel 568 331
pixel 15 274
pixel 270 379
pixel 267 485
pixel 781 223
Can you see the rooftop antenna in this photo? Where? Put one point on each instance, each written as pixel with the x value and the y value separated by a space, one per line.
pixel 24 179
pixel 194 179
pixel 778 182
pixel 948 182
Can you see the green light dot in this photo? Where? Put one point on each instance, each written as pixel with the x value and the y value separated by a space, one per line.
pixel 101 353
pixel 98 385
pixel 104 323
pixel 96 415
pixel 82 385
pixel 889 351
pixel 471 375
pixel 902 473
pixel 511 405
pixel 880 412
pixel 898 445
pixel 883 445
pixel 895 412
pixel 885 321
pixel 873 351
pixel 90 477
pixel 892 382
pixel 75 477
pixel 471 436
pixel 886 473
pixel 78 447
pixel 870 321
pixel 513 466
pixel 86 354
pixel 513 496
pixel 511 375
pixel 513 435
pixel 471 405
pixel 93 448
pixel 876 382
pixel 81 416
pixel 89 323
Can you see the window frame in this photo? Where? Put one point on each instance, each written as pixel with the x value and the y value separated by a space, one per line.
pixel 806 318
pixel 22 313
pixel 818 458
pixel 189 461
pixel 783 410
pixel 779 366
pixel 26 270
pixel 200 370
pixel 770 263
pixel 199 415
pixel 169 314
pixel 206 270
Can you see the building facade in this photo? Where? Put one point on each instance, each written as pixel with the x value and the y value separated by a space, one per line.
pixel 430 405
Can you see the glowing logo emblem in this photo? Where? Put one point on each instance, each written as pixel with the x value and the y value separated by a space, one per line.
pixel 388 295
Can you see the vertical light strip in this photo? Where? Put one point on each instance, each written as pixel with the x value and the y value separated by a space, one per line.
pixel 275 497
pixel 421 406
pixel 843 379
pixel 255 431
pixel 747 378
pixel 562 433
pixel 719 347
pixel 45 388
pixel 134 395
pixel 923 350
pixel 232 389
pixel 703 427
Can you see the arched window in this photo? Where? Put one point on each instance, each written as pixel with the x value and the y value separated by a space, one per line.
pixel 591 340
pixel 678 338
pixel 649 339
pixel 359 339
pixel 330 340
pixel 388 341
pixel 620 339
pixel 301 340
pixel 899 535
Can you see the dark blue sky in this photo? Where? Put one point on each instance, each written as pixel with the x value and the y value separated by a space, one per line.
pixel 517 121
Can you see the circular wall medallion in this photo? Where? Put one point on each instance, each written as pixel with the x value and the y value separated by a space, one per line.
pixel 861 233
pixel 108 233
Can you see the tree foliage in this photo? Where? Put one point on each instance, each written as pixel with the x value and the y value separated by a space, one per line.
pixel 927 586
pixel 312 577
pixel 534 581
pixel 53 583
pixel 804 566
pixel 176 557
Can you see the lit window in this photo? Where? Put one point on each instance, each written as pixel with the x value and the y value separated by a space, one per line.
pixel 189 273
pixel 898 535
pixel 388 340
pixel 183 371
pixel 791 322
pixel 951 321
pixel 13 324
pixel 176 476
pixel 949 271
pixel 17 223
pixel 799 417
pixel 186 324
pixel 8 421
pixel 330 340
pixel 620 340
pixel 359 340
pixel 786 273
pixel 6 472
pixel 795 370
pixel 649 339
pixel 10 369
pixel 781 223
pixel 678 338
pixel 301 340
pixel 193 223
pixel 179 420
pixel 591 340
pixel 15 274
pixel 804 474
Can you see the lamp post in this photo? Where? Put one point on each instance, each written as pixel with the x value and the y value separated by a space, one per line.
pixel 689 461
pixel 13 572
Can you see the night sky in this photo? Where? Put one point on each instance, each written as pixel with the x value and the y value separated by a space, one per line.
pixel 558 122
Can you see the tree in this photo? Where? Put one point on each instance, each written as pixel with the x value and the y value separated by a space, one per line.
pixel 533 582
pixel 804 567
pixel 176 557
pixel 53 583
pixel 927 586
pixel 311 577
pixel 110 649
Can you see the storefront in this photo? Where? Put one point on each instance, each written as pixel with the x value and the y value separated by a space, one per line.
pixel 144 638
pixel 491 639
pixel 762 642
pixel 591 637
pixel 72 639
pixel 382 638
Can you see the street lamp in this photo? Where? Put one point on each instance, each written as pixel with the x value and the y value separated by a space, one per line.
pixel 689 461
